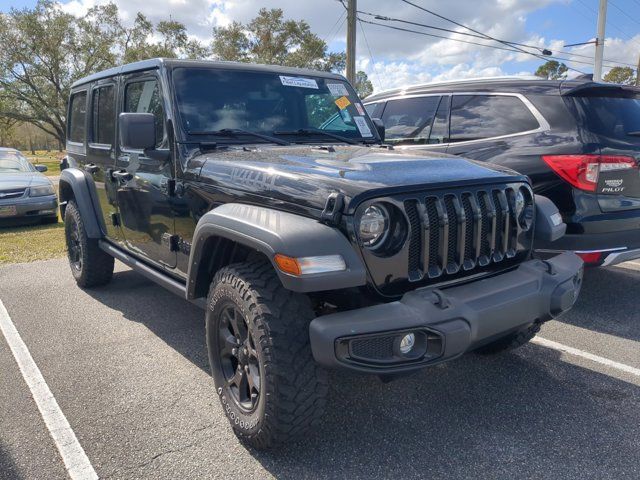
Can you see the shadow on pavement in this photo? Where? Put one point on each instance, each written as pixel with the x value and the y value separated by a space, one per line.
pixel 526 414
pixel 8 469
pixel 608 303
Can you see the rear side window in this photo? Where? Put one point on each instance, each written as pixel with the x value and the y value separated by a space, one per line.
pixel 144 97
pixel 78 117
pixel 103 112
pixel 612 117
pixel 474 117
pixel 409 120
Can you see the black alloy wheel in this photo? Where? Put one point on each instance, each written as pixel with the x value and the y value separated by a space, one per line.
pixel 239 358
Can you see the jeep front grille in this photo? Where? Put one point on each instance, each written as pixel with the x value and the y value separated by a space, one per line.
pixel 459 231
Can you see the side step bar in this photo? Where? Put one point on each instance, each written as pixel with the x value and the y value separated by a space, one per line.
pixel 151 273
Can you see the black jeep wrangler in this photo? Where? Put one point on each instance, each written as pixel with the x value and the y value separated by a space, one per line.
pixel 265 195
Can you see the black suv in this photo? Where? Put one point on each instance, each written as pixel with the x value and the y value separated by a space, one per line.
pixel 577 140
pixel 264 195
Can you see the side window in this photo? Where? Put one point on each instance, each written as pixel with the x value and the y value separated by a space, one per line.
pixel 475 117
pixel 375 109
pixel 78 116
pixel 144 97
pixel 103 115
pixel 409 120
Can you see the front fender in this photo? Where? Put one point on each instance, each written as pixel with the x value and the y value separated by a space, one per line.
pixel 271 232
pixel 79 186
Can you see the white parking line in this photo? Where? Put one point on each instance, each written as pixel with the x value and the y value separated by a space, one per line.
pixel 543 342
pixel 75 459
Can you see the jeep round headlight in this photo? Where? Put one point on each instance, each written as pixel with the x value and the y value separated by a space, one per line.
pixel 524 209
pixel 373 225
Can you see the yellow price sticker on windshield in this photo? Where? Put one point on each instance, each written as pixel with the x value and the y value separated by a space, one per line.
pixel 342 103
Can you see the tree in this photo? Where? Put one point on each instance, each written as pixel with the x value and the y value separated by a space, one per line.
pixel 552 70
pixel 50 49
pixel 363 85
pixel 271 39
pixel 623 75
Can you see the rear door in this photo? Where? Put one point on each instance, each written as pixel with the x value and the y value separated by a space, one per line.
pixel 610 118
pixel 482 124
pixel 101 151
pixel 143 190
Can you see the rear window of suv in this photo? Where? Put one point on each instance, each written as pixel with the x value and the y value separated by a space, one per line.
pixel 613 117
pixel 475 117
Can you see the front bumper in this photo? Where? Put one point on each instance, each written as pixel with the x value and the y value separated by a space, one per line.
pixel 32 207
pixel 449 322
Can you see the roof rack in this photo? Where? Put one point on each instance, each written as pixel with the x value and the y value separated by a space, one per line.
pixel 464 80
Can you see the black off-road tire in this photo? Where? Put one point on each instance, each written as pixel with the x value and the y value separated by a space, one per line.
pixel 511 341
pixel 293 387
pixel 90 266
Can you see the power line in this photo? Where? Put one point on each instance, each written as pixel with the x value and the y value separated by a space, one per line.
pixel 482 44
pixel 373 62
pixel 541 49
pixel 488 37
pixel 595 14
pixel 623 12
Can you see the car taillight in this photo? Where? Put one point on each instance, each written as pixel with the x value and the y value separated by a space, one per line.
pixel 590 258
pixel 582 171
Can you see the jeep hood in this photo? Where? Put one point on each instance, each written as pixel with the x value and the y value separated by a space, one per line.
pixel 307 175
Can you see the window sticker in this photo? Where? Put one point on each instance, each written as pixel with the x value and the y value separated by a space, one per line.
pixel 342 103
pixel 338 89
pixel 364 129
pixel 359 108
pixel 298 82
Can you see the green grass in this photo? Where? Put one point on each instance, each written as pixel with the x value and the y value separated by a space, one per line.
pixel 50 159
pixel 30 243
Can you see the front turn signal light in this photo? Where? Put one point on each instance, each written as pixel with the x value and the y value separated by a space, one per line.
pixel 310 265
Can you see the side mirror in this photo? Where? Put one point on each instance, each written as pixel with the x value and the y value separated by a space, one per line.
pixel 41 168
pixel 379 124
pixel 137 131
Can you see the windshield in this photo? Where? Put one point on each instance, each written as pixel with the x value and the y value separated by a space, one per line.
pixel 613 117
pixel 210 100
pixel 14 162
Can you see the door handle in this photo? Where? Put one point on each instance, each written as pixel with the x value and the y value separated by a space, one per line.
pixel 91 168
pixel 122 175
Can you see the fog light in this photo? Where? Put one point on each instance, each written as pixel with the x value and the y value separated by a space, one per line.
pixel 407 343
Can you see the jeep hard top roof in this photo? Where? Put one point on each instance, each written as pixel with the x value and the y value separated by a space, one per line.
pixel 174 63
pixel 522 85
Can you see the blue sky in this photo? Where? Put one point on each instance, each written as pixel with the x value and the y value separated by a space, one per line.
pixel 395 58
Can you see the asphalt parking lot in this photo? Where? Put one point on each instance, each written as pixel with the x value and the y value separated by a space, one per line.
pixel 127 365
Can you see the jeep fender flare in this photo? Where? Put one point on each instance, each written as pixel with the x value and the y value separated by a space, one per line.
pixel 271 232
pixel 78 185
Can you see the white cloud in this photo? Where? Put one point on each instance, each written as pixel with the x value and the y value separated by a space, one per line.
pixel 401 58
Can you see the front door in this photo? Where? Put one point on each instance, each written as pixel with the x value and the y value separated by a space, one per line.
pixel 146 216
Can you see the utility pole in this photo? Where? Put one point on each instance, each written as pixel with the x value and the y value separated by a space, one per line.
pixel 602 20
pixel 352 17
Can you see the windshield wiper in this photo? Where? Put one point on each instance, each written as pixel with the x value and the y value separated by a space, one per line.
pixel 234 132
pixel 315 131
pixel 634 134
